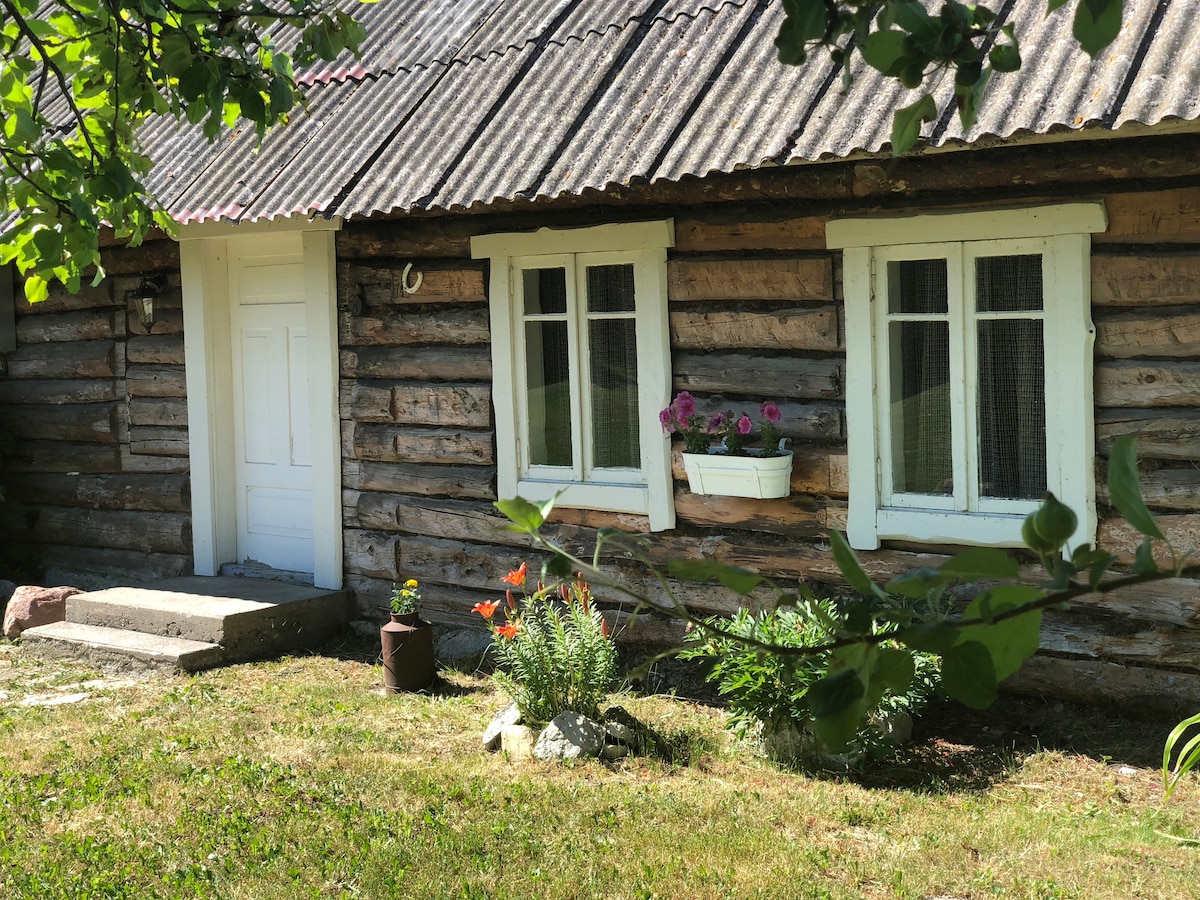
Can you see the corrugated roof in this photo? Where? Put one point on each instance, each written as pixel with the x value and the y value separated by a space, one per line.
pixel 463 102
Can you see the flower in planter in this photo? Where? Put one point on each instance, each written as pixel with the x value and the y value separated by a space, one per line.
pixel 407 599
pixel 733 431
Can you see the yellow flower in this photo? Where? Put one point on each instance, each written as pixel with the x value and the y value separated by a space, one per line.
pixel 411 583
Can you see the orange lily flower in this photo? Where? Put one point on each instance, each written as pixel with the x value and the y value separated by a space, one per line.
pixel 516 577
pixel 509 631
pixel 487 609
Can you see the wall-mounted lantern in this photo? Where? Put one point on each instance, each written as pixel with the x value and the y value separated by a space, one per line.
pixel 145 298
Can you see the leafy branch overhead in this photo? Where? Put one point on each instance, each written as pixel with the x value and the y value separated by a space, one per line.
pixel 78 80
pixel 914 42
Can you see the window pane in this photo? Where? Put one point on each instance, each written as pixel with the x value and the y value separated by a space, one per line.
pixel 920 396
pixel 549 393
pixel 1012 409
pixel 610 288
pixel 545 291
pixel 1008 283
pixel 613 347
pixel 917 286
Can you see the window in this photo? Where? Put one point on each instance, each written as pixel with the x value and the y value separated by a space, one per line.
pixel 581 366
pixel 969 372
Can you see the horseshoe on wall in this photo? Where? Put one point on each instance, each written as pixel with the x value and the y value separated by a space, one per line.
pixel 415 285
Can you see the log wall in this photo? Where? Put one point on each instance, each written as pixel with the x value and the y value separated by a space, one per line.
pixel 97 406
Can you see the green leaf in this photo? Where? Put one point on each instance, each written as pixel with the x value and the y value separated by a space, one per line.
pixel 557 566
pixel 847 562
pixel 968 675
pixel 919 583
pixel 982 563
pixel 525 516
pixel 929 637
pixel 1052 5
pixel 893 672
pixel 36 288
pixel 834 693
pixel 1143 558
pixel 740 581
pixel 1011 641
pixel 1097 24
pixel 1005 58
pixel 885 51
pixel 906 123
pixel 1124 487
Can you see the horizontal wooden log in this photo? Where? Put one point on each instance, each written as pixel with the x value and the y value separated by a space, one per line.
pixel 1162 645
pixel 719 233
pixel 147 532
pixel 150 257
pixel 381 285
pixel 166 322
pixel 82 359
pixel 370 553
pixel 779 377
pixel 1173 335
pixel 155 381
pixel 148 492
pixel 1139 688
pixel 98 422
pixel 750 279
pixel 145 463
pixel 418 363
pixel 1166 489
pixel 795 328
pixel 61 456
pixel 1118 537
pixel 401 239
pixel 152 440
pixel 1174 602
pixel 83 325
pixel 1130 383
pixel 389 443
pixel 1146 280
pixel 163 411
pixel 450 405
pixel 163 349
pixel 1153 216
pixel 93 568
pixel 73 390
pixel 799 515
pixel 1173 434
pixel 463 482
pixel 62 300
pixel 447 326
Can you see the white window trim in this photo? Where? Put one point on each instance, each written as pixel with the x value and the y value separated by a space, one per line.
pixel 1069 335
pixel 643 244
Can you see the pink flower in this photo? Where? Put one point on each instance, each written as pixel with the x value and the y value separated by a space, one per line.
pixel 715 423
pixel 667 419
pixel 685 405
pixel 770 412
pixel 744 424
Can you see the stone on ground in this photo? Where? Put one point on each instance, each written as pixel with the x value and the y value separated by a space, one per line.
pixel 510 715
pixel 31 606
pixel 570 736
pixel 517 741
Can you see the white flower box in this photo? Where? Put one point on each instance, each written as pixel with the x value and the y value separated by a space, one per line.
pixel 739 476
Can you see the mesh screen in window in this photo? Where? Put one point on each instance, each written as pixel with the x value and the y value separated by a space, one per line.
pixel 920 404
pixel 548 397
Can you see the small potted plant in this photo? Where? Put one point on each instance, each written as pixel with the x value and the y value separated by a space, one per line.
pixel 408 662
pixel 716 454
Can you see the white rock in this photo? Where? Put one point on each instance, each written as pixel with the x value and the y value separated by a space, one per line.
pixel 570 736
pixel 1127 770
pixel 516 741
pixel 510 715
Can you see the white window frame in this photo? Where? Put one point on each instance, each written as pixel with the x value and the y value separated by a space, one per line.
pixel 1061 234
pixel 645 490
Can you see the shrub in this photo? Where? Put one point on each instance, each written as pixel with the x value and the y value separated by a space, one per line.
pixel 770 691
pixel 554 650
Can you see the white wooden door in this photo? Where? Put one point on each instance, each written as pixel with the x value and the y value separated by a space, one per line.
pixel 272 431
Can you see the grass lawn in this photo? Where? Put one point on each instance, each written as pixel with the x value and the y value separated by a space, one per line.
pixel 299 778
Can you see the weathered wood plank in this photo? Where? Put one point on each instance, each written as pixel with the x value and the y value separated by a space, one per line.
pixel 799 515
pixel 152 440
pixel 406 239
pixel 1126 336
pixel 84 325
pixel 155 381
pixel 96 422
pixel 162 411
pixel 389 443
pixel 82 359
pixel 457 405
pixel 381 285
pixel 785 376
pixel 166 322
pixel 418 363
pixel 93 567
pixel 62 300
pixel 161 349
pixel 90 390
pixel 60 456
pixel 1157 280
pixel 1172 602
pixel 148 532
pixel 370 553
pixel 145 259
pixel 1083 680
pixel 1173 434
pixel 464 482
pixel 750 279
pixel 710 235
pixel 1129 383
pixel 797 328
pixel 149 493
pixel 1166 489
pixel 1153 216
pixel 1158 646
pixel 447 326
pixel 144 463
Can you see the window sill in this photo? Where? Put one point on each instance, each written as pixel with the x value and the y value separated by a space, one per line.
pixel 622 498
pixel 937 527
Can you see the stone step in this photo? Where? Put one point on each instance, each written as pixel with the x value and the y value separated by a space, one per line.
pixel 128 649
pixel 248 617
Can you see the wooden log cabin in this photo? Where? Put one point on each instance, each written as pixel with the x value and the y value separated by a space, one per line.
pixel 338 375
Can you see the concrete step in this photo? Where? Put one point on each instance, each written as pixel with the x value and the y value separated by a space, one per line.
pixel 127 649
pixel 248 618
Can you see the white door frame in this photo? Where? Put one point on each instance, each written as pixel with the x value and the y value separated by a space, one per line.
pixel 204 251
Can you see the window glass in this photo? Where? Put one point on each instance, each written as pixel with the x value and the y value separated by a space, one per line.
pixel 920 405
pixel 917 286
pixel 613 351
pixel 545 291
pixel 1008 283
pixel 610 289
pixel 548 398
pixel 1012 409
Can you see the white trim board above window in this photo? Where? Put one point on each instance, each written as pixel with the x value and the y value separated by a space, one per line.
pixel 969 371
pixel 581 364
